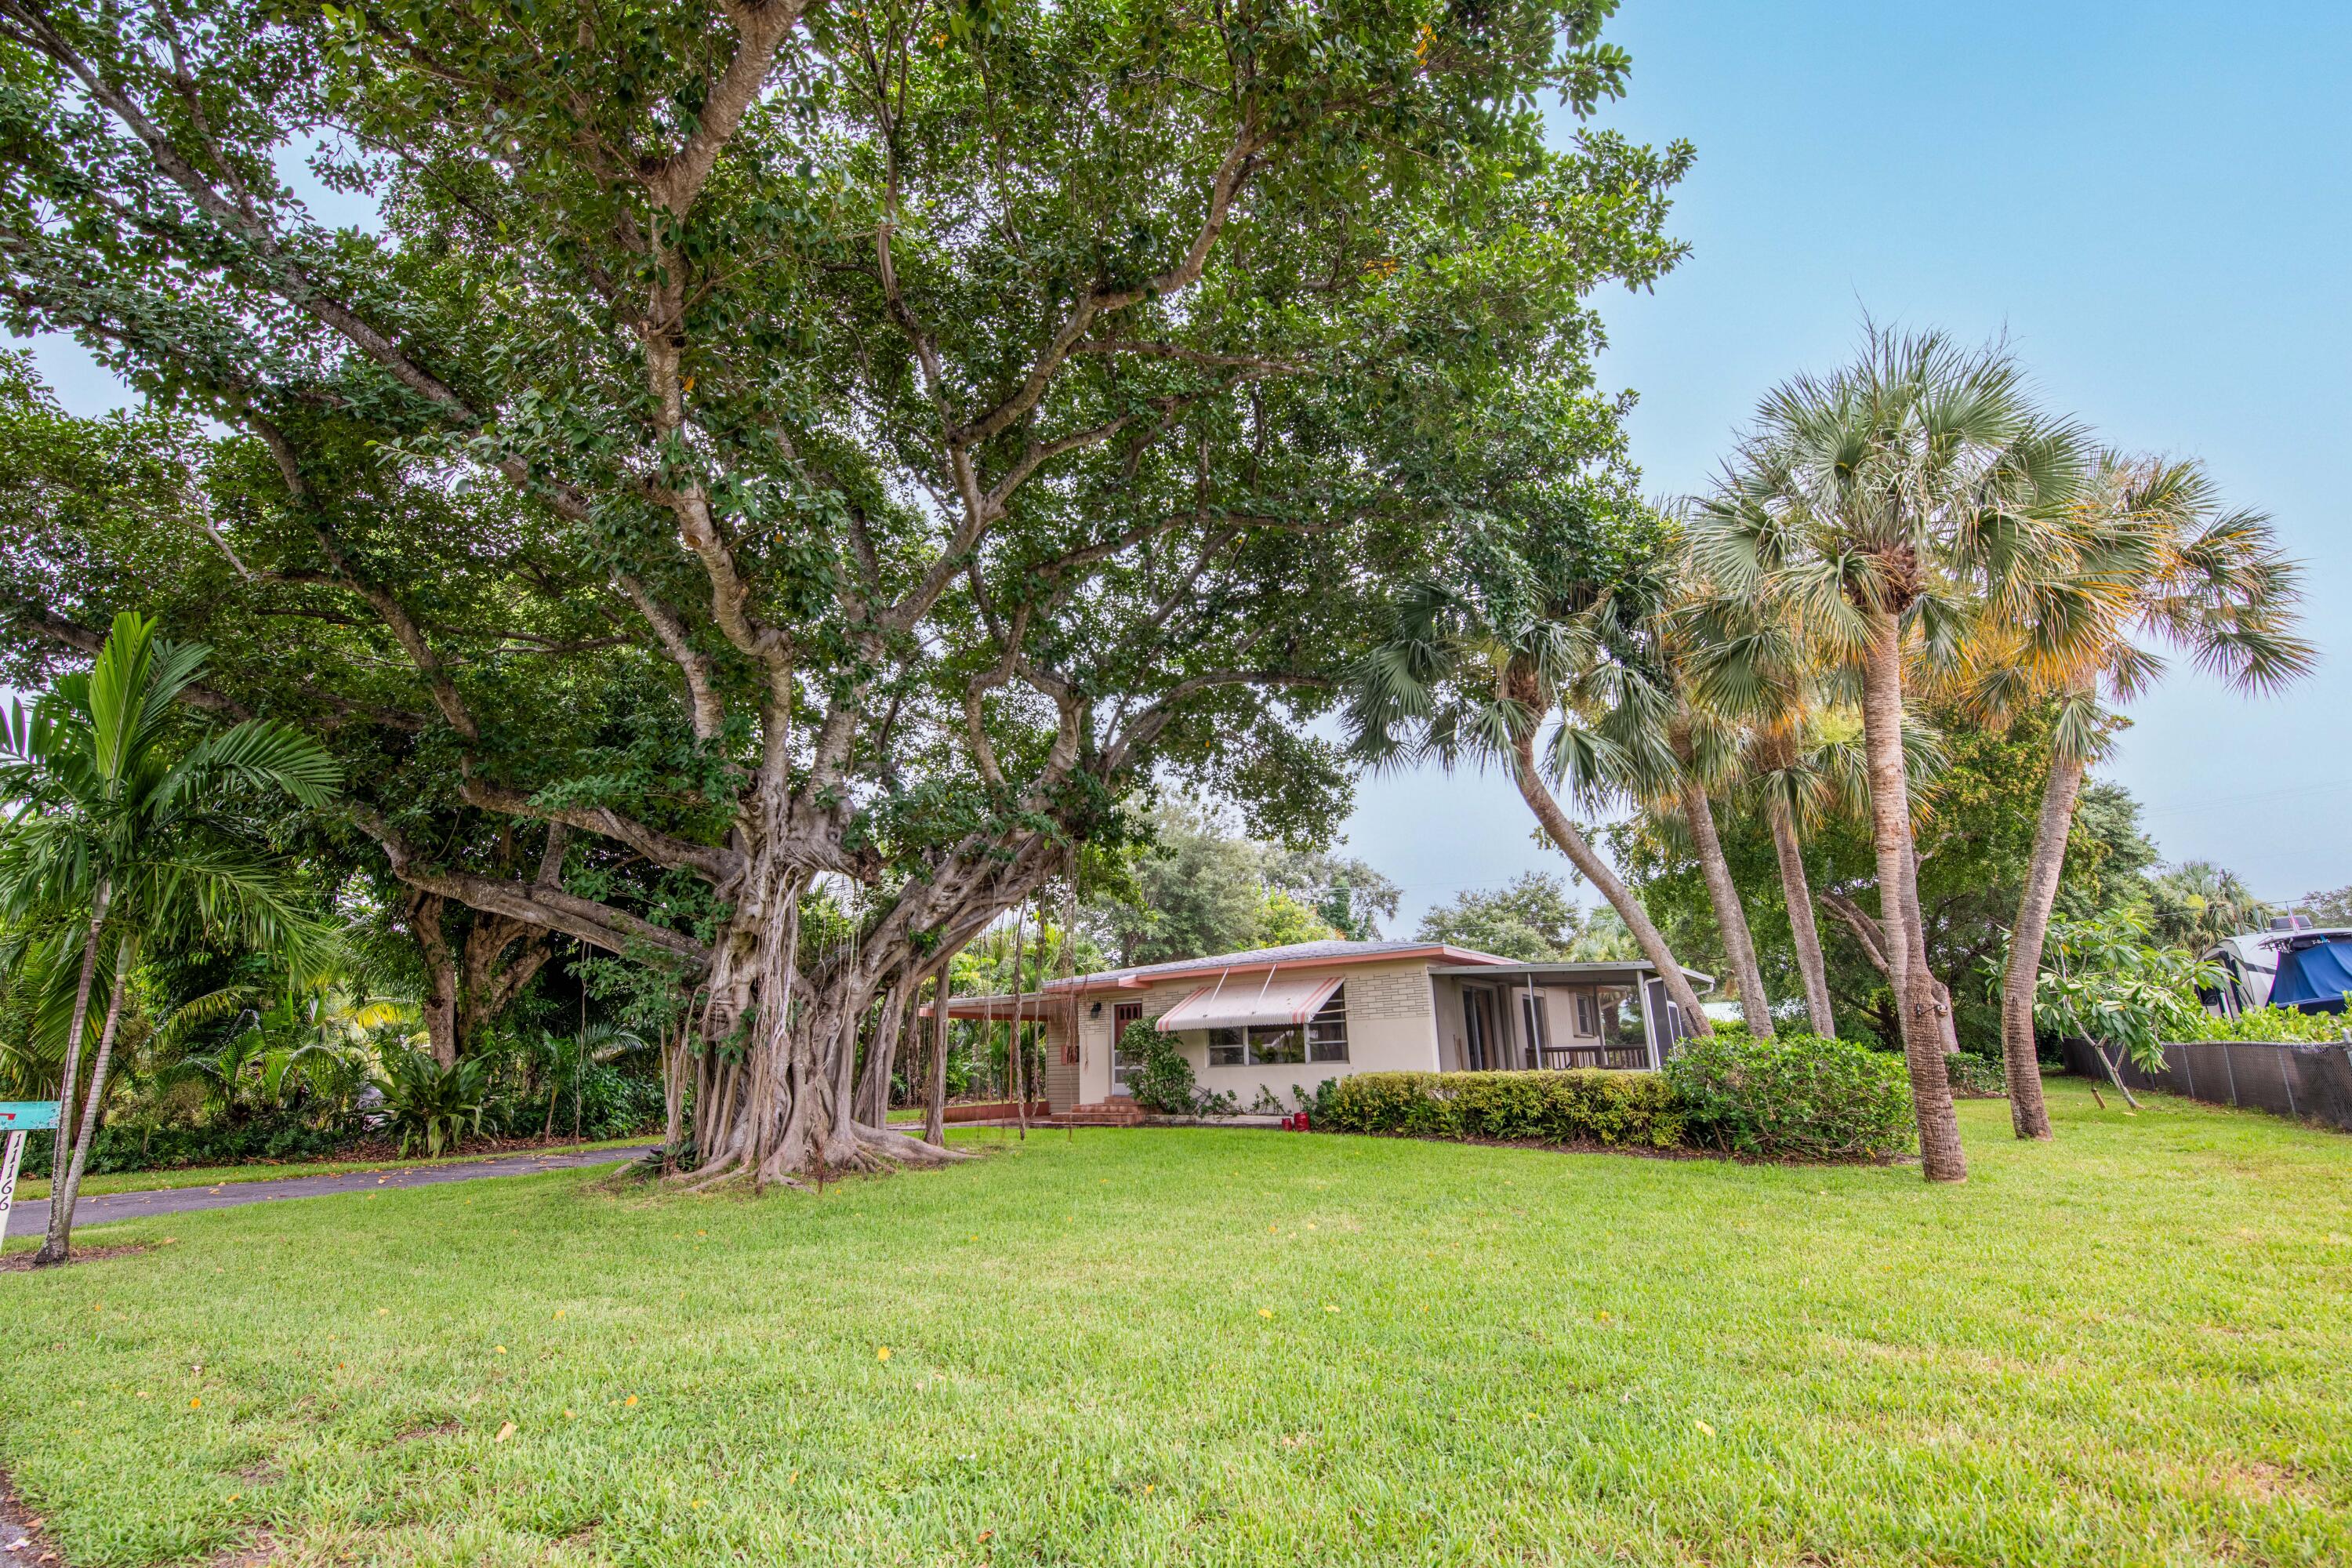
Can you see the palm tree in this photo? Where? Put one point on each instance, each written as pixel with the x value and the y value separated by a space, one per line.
pixel 1914 496
pixel 2159 561
pixel 1473 675
pixel 1704 749
pixel 140 832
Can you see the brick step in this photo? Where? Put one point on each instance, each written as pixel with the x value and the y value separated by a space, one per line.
pixel 1124 1114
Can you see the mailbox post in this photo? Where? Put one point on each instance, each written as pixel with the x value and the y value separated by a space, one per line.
pixel 18 1117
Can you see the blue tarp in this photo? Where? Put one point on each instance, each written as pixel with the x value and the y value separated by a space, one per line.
pixel 2320 972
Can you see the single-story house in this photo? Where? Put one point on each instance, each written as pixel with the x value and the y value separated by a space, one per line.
pixel 1279 1018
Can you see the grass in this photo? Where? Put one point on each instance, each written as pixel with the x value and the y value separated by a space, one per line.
pixel 1215 1347
pixel 32 1187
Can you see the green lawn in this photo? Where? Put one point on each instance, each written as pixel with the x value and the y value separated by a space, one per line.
pixel 1219 1347
pixel 33 1187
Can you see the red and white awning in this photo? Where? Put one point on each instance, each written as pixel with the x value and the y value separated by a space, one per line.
pixel 1236 1001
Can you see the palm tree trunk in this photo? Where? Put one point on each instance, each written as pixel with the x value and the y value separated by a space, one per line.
pixel 2027 1114
pixel 57 1245
pixel 1940 1155
pixel 935 1103
pixel 78 1026
pixel 1731 918
pixel 1595 870
pixel 1796 891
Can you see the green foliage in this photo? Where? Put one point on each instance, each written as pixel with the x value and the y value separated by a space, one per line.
pixel 429 1103
pixel 1164 1080
pixel 1531 918
pixel 1283 920
pixel 2197 904
pixel 1973 1077
pixel 143 1145
pixel 1198 886
pixel 1793 1096
pixel 1582 1106
pixel 2286 1024
pixel 2103 980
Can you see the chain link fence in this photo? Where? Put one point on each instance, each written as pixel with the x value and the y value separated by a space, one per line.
pixel 2308 1082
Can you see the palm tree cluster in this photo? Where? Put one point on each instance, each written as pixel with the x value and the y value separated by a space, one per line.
pixel 130 825
pixel 1912 529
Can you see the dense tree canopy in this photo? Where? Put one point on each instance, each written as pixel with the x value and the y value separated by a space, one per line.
pixel 777 443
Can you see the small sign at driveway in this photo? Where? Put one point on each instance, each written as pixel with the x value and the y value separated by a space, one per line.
pixel 18 1117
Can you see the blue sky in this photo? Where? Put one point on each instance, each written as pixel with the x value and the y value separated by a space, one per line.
pixel 2153 200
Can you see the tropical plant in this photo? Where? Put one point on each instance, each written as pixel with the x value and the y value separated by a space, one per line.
pixel 2103 981
pixel 425 1102
pixel 2157 558
pixel 140 827
pixel 1916 495
pixel 920 427
pixel 1552 625
pixel 2197 904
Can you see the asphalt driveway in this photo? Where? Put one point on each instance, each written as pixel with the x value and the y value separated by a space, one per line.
pixel 33 1217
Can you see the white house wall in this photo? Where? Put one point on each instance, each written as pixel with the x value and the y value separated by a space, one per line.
pixel 1391 1028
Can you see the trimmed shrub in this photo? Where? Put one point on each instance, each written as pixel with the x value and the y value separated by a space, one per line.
pixel 1794 1096
pixel 1973 1077
pixel 1587 1105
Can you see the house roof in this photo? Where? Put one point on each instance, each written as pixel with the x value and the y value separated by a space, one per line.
pixel 1567 970
pixel 1297 955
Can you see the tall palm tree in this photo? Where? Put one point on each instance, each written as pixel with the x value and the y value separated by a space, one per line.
pixel 2158 560
pixel 1912 496
pixel 125 819
pixel 1704 749
pixel 1475 674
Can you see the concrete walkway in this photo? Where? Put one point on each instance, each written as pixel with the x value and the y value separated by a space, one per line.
pixel 32 1218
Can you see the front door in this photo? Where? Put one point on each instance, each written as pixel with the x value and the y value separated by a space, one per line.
pixel 1478 1028
pixel 1122 1060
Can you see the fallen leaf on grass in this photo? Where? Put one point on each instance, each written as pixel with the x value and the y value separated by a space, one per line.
pixel 505 1431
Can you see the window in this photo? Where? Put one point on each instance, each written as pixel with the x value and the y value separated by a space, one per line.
pixel 1276 1045
pixel 1588 1015
pixel 1227 1048
pixel 1326 1032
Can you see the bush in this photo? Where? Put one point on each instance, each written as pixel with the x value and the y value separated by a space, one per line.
pixel 429 1103
pixel 1587 1105
pixel 135 1146
pixel 1973 1077
pixel 2274 1024
pixel 1164 1082
pixel 1794 1096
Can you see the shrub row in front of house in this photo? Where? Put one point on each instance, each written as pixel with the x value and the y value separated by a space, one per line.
pixel 1794 1097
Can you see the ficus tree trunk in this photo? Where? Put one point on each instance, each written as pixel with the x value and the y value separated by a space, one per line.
pixel 1940 1155
pixel 935 1102
pixel 1572 842
pixel 2028 1115
pixel 1796 891
pixel 66 1187
pixel 1730 916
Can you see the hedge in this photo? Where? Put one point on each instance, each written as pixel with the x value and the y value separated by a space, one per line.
pixel 1587 1105
pixel 1795 1096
